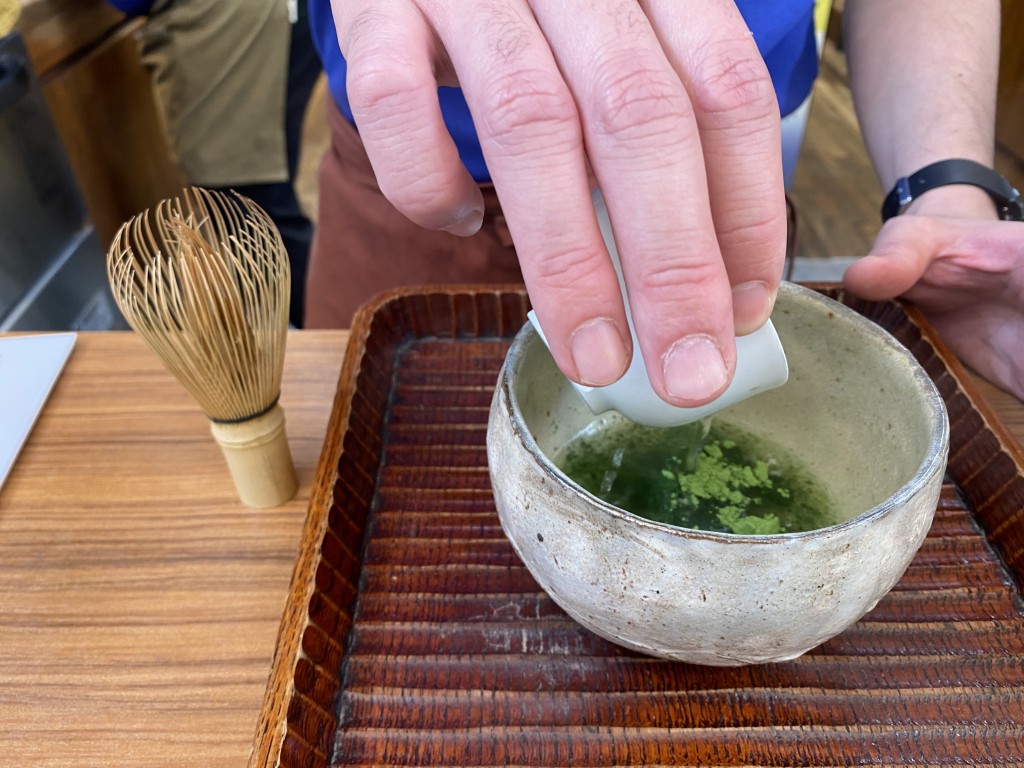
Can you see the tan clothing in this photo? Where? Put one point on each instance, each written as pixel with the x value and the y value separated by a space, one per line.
pixel 10 10
pixel 363 246
pixel 220 69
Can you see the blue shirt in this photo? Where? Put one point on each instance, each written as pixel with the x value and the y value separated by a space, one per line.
pixel 132 7
pixel 783 30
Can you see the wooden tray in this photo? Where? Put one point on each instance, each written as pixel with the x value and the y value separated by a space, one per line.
pixel 414 636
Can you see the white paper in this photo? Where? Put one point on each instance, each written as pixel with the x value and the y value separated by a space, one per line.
pixel 29 367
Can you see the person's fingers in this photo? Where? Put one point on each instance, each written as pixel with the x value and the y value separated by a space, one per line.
pixel 968 278
pixel 644 148
pixel 529 131
pixel 902 253
pixel 644 144
pixel 393 57
pixel 737 114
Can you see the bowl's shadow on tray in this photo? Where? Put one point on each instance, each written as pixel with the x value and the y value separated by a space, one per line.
pixel 414 636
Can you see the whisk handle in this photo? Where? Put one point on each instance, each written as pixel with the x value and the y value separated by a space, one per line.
pixel 258 458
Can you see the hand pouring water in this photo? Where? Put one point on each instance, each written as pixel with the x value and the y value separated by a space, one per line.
pixel 760 365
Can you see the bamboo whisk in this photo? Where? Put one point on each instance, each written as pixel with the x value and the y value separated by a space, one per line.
pixel 204 279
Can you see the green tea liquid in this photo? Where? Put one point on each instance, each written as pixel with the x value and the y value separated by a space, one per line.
pixel 707 476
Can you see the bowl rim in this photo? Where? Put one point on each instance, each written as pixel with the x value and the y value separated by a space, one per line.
pixel 934 460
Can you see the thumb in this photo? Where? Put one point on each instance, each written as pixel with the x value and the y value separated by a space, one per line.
pixel 903 251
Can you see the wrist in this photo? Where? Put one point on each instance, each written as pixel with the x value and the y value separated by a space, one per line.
pixel 960 201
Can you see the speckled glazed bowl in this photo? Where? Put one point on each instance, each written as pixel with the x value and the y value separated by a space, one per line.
pixel 858 411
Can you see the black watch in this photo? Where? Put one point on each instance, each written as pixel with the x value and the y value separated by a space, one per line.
pixel 956 171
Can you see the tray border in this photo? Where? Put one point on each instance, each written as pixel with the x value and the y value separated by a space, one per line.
pixel 298 655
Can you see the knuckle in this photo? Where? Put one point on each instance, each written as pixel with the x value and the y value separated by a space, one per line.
pixel 638 100
pixel 379 79
pixel 567 267
pixel 665 276
pixel 525 104
pixel 377 72
pixel 757 225
pixel 733 83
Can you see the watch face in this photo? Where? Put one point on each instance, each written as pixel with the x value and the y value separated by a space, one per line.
pixel 1014 209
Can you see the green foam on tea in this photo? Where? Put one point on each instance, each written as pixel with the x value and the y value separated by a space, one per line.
pixel 708 476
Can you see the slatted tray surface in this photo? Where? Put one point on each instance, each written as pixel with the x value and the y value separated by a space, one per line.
pixel 423 640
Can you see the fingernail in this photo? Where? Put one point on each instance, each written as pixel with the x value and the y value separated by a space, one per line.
pixel 751 306
pixel 694 369
pixel 467 224
pixel 598 352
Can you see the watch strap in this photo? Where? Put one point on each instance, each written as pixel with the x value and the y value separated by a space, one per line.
pixel 955 171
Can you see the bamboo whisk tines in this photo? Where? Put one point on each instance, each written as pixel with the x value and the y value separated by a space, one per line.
pixel 204 279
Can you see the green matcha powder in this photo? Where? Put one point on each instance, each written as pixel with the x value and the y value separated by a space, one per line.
pixel 704 476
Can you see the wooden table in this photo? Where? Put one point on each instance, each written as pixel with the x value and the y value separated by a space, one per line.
pixel 139 601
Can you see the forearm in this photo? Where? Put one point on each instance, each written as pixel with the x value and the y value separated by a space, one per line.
pixel 923 75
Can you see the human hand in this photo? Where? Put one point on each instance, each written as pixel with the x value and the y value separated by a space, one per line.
pixel 967 275
pixel 667 102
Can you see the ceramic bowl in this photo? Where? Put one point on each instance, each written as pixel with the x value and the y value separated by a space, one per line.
pixel 858 412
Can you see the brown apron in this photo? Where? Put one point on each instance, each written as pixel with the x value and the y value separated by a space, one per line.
pixel 363 246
